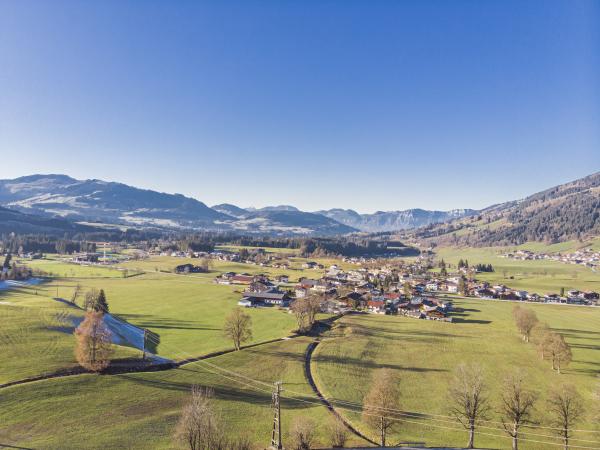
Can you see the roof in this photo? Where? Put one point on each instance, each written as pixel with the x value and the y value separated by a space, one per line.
pixel 266 295
pixel 376 303
pixel 242 278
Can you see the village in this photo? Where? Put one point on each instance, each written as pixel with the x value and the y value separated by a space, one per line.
pixel 419 288
pixel 585 257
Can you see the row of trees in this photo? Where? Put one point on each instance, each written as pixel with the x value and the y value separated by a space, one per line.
pixel 468 399
pixel 550 344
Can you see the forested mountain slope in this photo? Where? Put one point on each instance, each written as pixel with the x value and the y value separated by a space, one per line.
pixel 565 212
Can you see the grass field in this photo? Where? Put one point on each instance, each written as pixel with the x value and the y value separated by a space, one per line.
pixel 139 411
pixel 31 340
pixel 424 353
pixel 541 276
pixel 53 267
pixel 187 312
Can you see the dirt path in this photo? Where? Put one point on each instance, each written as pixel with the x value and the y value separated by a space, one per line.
pixel 327 403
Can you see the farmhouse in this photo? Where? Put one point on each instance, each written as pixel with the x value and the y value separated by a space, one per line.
pixel 241 279
pixel 85 257
pixel 283 279
pixel 271 297
pixel 376 306
pixel 188 268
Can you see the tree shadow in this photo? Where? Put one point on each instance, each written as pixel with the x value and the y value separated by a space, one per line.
pixel 476 321
pixel 15 446
pixel 151 321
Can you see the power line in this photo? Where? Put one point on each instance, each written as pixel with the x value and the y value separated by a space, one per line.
pixel 359 406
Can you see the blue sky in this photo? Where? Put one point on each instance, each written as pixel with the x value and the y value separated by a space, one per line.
pixel 370 105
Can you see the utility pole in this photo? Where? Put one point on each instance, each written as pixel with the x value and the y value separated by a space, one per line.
pixel 276 434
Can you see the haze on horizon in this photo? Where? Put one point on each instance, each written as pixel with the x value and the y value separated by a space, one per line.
pixel 362 105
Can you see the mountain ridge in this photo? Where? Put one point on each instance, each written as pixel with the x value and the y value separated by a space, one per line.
pixel 564 212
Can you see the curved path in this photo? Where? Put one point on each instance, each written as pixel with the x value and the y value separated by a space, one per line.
pixel 308 370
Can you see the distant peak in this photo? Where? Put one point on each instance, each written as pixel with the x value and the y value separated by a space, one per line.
pixel 50 176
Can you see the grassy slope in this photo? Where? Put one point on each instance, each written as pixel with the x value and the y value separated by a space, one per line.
pixel 187 312
pixel 30 338
pixel 536 276
pixel 424 353
pixel 140 410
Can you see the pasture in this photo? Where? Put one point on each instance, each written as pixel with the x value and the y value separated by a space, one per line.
pixel 424 354
pixel 541 276
pixel 139 411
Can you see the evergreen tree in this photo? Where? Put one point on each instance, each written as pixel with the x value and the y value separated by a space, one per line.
pixel 443 270
pixel 96 301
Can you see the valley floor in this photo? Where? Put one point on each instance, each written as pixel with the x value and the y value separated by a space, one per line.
pixel 140 410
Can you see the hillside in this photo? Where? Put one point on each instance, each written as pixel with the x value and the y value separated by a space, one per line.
pixel 101 201
pixel 565 212
pixel 17 222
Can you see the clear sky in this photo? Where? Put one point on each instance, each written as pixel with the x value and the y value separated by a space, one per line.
pixel 370 105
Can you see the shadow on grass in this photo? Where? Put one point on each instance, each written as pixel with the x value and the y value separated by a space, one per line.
pixel 404 335
pixel 571 330
pixel 151 321
pixel 15 446
pixel 255 395
pixel 474 321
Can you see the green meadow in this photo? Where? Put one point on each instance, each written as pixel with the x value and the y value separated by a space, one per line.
pixel 140 410
pixel 424 354
pixel 541 276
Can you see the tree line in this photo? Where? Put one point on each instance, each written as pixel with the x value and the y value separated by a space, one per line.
pixel 468 400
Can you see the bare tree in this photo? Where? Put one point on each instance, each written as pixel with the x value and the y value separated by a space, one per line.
pixel 314 303
pixel 468 397
pixel 206 264
pixel 380 401
pixel 517 405
pixel 541 337
pixel 566 407
pixel 338 433
pixel 302 433
pixel 238 327
pixel 94 346
pixel 300 308
pixel 559 351
pixel 526 320
pixel 199 426
pixel 76 294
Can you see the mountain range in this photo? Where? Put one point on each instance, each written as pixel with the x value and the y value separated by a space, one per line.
pixel 381 221
pixel 98 203
pixel 60 203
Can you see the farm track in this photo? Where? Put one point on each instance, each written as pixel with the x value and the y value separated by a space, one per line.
pixel 309 376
